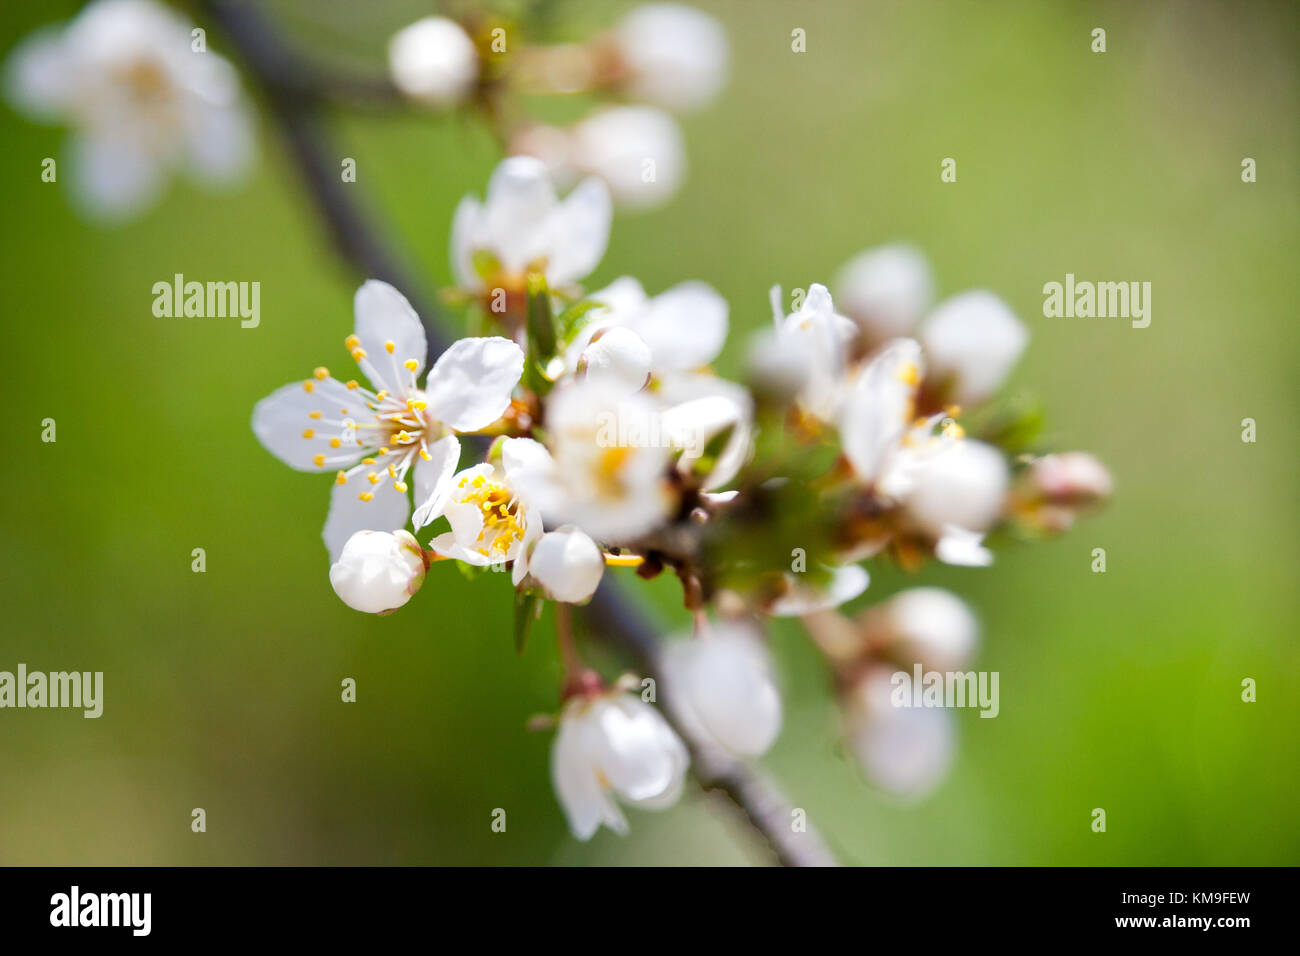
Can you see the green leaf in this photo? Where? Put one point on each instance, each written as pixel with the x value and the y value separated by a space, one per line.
pixel 571 321
pixel 527 607
pixel 541 319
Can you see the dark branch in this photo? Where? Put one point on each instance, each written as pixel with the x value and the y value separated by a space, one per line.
pixel 295 106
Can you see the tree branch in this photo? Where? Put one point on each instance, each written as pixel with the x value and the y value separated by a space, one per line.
pixel 295 104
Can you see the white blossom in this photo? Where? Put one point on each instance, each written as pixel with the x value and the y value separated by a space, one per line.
pixel 614 745
pixel 964 486
pixel 803 597
pixel 141 102
pixel 886 290
pixel 618 357
pixel 721 684
pixel 636 150
pixel 378 572
pixel 971 341
pixel 522 226
pixel 905 751
pixel 434 60
pixel 567 565
pixel 820 336
pixel 932 627
pixel 675 56
pixel 371 439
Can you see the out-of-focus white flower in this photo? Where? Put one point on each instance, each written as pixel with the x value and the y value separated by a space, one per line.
pixel 905 751
pixel 801 597
pixel 886 290
pixel 567 565
pixel 616 356
pixel 140 99
pixel 818 333
pixel 608 462
pixel 1071 476
pixel 778 367
pixel 490 522
pixel 673 55
pixel 971 342
pixel 636 150
pixel 372 438
pixel 433 60
pixel 614 745
pixel 961 547
pixel 702 409
pixel 685 327
pixel 721 685
pixel 523 227
pixel 963 486
pixel 931 627
pixel 377 571
pixel 878 407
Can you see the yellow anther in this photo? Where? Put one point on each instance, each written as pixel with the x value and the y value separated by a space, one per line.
pixel 953 430
pixel 352 384
pixel 358 354
pixel 351 342
pixel 383 452
pixel 479 481
pixel 341 478
pixel 321 373
pixel 366 496
pixel 411 365
pixel 909 374
pixel 319 461
pixel 367 461
pixel 389 346
pixel 403 438
pixel 314 415
pixel 953 411
pixel 308 433
pixel 424 453
pixel 336 442
pixel 308 385
pixel 383 394
pixel 372 478
pixel 416 404
pixel 400 486
pixel 392 472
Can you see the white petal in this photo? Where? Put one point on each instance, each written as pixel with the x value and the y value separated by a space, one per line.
pixel 579 233
pixel 522 454
pixel 685 327
pixel 349 514
pixel 383 315
pixel 585 802
pixel 846 582
pixel 517 213
pixel 469 386
pixel 886 289
pixel 433 480
pixel 878 407
pixel 279 421
pixel 114 177
pixel 39 80
pixel 675 55
pixel 726 680
pixel 963 485
pixel 934 627
pixel 465 227
pixel 975 338
pixel 219 141
pixel 639 753
pixel 963 548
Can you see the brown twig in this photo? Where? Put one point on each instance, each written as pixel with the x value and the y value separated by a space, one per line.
pixel 295 103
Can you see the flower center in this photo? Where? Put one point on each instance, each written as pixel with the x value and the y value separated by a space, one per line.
pixel 503 524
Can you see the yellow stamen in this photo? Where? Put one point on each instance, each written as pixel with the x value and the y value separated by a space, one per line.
pixel 314 415
pixel 308 386
pixel 411 365
pixel 308 433
pixel 351 342
pixel 358 354
pixel 366 496
pixel 400 486
pixel 352 384
pixel 336 442
pixel 321 373
pixel 341 478
pixel 372 478
pixel 909 374
pixel 319 461
pixel 624 560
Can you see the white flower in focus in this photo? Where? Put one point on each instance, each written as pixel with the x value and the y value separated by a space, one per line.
pixel 886 290
pixel 722 685
pixel 613 745
pixel 567 565
pixel 932 627
pixel 636 150
pixel 140 100
pixel 434 60
pixel 378 572
pixel 608 463
pixel 963 486
pixel 523 227
pixel 684 327
pixel 971 341
pixel 821 336
pixel 490 522
pixel 675 56
pixel 372 439
pixel 906 751
pixel 802 597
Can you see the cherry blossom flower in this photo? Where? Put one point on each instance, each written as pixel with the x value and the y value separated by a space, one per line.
pixel 672 55
pixel 433 60
pixel 378 572
pixel 141 100
pixel 372 439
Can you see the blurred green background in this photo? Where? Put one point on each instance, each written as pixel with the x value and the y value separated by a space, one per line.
pixel 1118 690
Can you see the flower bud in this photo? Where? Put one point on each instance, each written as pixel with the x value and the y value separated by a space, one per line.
pixel 1056 489
pixel 721 684
pixel 378 572
pixel 963 486
pixel 885 290
pixel 971 341
pixel 931 627
pixel 636 150
pixel 618 357
pixel 567 565
pixel 674 56
pixel 905 751
pixel 433 60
